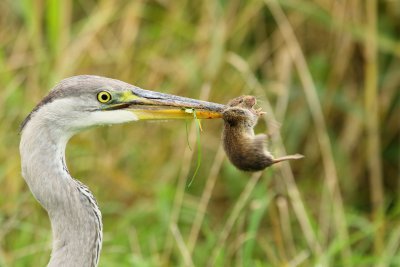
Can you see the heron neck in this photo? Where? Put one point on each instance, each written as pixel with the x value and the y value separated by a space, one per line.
pixel 73 212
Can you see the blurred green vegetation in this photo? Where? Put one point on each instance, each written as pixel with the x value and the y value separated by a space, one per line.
pixel 326 71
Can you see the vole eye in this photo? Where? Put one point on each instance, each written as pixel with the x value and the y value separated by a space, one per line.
pixel 104 97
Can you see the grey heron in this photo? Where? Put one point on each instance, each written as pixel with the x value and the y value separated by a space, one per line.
pixel 75 104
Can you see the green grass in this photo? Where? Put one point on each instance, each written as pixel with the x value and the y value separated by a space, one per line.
pixel 325 71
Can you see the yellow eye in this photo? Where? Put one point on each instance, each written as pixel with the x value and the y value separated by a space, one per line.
pixel 104 97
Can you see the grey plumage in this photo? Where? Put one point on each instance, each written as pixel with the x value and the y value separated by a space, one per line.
pixel 72 106
pixel 78 86
pixel 74 215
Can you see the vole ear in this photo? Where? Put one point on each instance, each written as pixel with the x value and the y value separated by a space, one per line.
pixel 236 101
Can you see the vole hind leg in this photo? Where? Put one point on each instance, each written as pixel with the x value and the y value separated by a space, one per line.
pixel 273 128
pixel 262 141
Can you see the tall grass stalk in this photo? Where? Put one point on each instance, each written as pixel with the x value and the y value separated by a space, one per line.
pixel 320 125
pixel 373 125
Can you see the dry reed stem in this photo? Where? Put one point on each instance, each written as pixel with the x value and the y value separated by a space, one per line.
pixel 319 121
pixel 205 198
pixel 269 251
pixel 72 55
pixel 134 242
pixel 181 245
pixel 372 125
pixel 299 259
pixel 284 217
pixel 391 249
pixel 239 205
pixel 343 46
pixel 277 234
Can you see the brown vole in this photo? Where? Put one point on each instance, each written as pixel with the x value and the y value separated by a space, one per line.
pixel 244 149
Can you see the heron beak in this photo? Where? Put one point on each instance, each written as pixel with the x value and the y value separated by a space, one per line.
pixel 150 105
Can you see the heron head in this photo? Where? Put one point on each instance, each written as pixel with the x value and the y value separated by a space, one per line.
pixel 84 101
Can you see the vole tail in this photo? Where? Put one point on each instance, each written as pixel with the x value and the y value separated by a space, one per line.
pixel 288 157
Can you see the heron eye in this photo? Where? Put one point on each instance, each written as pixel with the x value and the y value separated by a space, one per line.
pixel 104 97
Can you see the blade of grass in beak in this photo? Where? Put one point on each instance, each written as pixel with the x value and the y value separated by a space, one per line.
pixel 187 135
pixel 198 127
